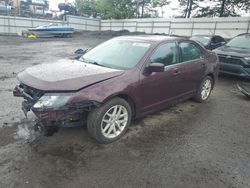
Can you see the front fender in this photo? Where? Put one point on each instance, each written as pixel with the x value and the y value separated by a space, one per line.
pixel 105 90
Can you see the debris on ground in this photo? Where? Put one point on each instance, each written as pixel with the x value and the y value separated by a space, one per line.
pixel 243 90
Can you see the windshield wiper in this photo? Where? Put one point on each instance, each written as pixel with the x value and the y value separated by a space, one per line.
pixel 92 62
pixel 95 63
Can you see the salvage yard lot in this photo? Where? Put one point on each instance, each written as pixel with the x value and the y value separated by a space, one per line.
pixel 187 145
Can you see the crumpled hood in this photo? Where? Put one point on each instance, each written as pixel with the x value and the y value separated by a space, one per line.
pixel 225 50
pixel 65 75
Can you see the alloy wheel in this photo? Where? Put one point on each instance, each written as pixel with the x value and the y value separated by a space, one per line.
pixel 114 121
pixel 206 89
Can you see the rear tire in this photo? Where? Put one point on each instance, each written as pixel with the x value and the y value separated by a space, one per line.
pixel 110 121
pixel 204 90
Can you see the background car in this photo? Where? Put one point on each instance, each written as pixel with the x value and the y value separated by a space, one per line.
pixel 209 42
pixel 121 79
pixel 234 57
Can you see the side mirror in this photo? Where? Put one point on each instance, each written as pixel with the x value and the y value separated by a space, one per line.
pixel 79 52
pixel 156 67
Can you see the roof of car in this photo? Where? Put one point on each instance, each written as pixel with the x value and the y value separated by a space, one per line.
pixel 243 34
pixel 151 38
pixel 204 35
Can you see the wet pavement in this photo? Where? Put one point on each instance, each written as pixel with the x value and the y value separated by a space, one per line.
pixel 188 145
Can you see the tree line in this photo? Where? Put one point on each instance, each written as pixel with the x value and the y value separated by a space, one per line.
pixel 214 8
pixel 122 9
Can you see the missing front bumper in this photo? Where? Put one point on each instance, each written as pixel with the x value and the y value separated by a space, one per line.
pixel 66 115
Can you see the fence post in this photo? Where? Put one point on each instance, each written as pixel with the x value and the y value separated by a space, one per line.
pixel 8 25
pixel 215 27
pixel 169 28
pixel 86 25
pixel 248 26
pixel 32 23
pixel 136 25
pixel 100 24
pixel 4 24
pixel 192 29
pixel 123 25
pixel 67 20
pixel 152 29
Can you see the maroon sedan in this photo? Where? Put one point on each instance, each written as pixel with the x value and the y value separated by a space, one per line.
pixel 121 79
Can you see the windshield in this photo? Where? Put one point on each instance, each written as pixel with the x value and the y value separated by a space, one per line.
pixel 202 39
pixel 242 41
pixel 117 53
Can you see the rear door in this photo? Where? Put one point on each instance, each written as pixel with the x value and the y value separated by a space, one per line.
pixel 193 66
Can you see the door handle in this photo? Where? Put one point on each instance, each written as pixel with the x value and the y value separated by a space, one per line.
pixel 176 71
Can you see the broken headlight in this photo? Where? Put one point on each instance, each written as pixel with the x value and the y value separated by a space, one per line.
pixel 52 100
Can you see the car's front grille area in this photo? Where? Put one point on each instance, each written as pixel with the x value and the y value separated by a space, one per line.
pixel 231 60
pixel 34 93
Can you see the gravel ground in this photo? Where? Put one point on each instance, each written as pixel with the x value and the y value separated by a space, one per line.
pixel 188 145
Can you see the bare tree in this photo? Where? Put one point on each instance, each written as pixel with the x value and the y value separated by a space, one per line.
pixel 222 8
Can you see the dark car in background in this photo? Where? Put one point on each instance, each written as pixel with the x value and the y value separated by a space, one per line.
pixel 210 42
pixel 121 79
pixel 234 57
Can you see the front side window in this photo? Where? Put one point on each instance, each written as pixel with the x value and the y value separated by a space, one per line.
pixel 189 51
pixel 165 54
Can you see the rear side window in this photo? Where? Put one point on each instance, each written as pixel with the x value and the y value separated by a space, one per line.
pixel 190 52
pixel 165 54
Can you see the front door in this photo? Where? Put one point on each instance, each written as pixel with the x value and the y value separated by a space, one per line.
pixel 158 88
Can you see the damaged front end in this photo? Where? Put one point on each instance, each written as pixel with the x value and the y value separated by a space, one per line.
pixel 52 108
pixel 30 95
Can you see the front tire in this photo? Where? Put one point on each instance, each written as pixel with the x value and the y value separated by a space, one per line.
pixel 110 121
pixel 204 90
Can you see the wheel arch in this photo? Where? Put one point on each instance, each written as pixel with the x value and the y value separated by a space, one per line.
pixel 127 98
pixel 213 78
